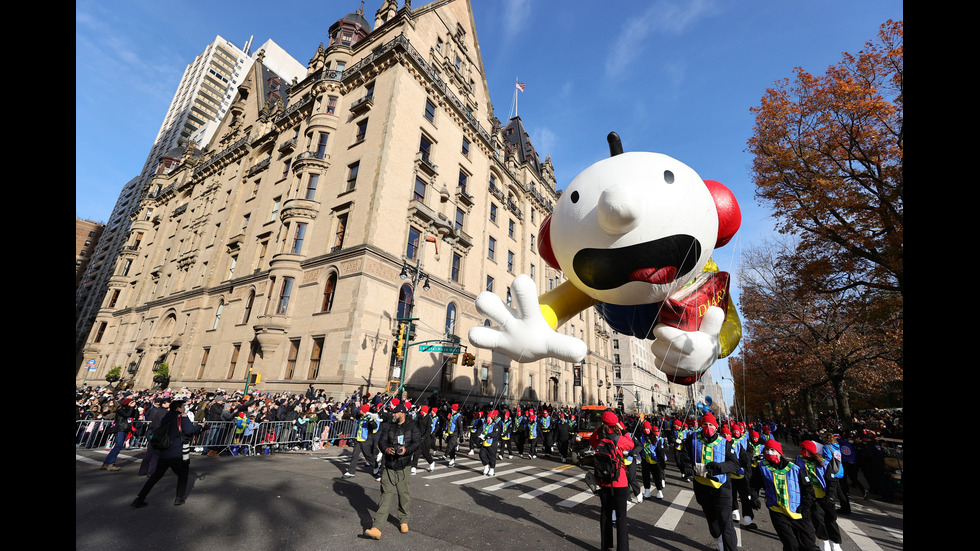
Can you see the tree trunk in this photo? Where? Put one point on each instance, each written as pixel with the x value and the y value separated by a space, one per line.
pixel 843 404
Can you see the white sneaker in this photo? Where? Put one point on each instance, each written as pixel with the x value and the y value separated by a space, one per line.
pixel 510 456
pixel 835 547
pixel 660 495
pixel 639 497
pixel 735 516
pixel 348 475
pixel 491 473
pixel 380 457
pixel 824 545
pixel 432 467
pixel 413 471
pixel 452 462
pixel 470 452
pixel 646 494
pixel 486 469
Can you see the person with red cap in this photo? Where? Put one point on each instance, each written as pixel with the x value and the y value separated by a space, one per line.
pixel 789 497
pixel 546 424
pixel 825 493
pixel 489 439
pixel 476 425
pixel 454 425
pixel 122 425
pixel 428 423
pixel 678 434
pixel 520 431
pixel 506 434
pixel 533 429
pixel 708 458
pixel 613 495
pixel 365 442
pixel 740 479
pixel 653 454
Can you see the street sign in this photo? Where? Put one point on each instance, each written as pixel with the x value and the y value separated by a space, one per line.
pixel 445 349
pixel 91 365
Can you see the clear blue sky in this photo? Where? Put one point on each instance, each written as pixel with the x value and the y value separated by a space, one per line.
pixel 673 76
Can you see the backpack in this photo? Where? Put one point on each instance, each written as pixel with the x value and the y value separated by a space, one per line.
pixel 161 440
pixel 608 459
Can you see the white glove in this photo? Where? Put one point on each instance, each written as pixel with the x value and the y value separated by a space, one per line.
pixel 685 353
pixel 522 333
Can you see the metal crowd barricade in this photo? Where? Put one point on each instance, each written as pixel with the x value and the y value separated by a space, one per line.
pixel 219 436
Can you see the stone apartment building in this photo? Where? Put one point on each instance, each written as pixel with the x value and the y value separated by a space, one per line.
pixel 325 209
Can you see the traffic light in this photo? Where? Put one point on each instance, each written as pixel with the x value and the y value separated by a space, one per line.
pixel 400 345
pixel 254 378
pixel 469 359
pixel 454 358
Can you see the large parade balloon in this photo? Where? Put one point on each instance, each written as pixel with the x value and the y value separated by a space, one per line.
pixel 633 234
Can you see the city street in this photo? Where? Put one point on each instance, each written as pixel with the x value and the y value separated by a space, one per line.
pixel 301 500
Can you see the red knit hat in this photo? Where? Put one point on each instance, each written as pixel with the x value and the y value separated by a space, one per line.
pixel 771 444
pixel 809 445
pixel 709 418
pixel 455 407
pixel 365 408
pixel 424 409
pixel 610 418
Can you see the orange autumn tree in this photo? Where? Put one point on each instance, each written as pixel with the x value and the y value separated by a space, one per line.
pixel 828 160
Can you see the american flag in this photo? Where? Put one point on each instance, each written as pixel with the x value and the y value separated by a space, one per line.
pixel 521 86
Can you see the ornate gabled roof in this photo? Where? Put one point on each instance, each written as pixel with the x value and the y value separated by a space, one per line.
pixel 518 144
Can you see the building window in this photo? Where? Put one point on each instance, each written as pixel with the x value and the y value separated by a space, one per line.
pixel 463 179
pixel 491 248
pixel 418 194
pixel 328 293
pixel 493 213
pixel 234 360
pixel 315 358
pixel 425 147
pixel 291 359
pixel 231 266
pixel 298 238
pixel 430 110
pixel 100 333
pixel 352 175
pixel 413 243
pixel 287 290
pixel 204 362
pixel 248 307
pixel 113 298
pixel 460 214
pixel 275 209
pixel 404 301
pixel 451 319
pixel 466 147
pixel 331 105
pixel 510 228
pixel 457 261
pixel 510 261
pixel 285 167
pixel 217 315
pixel 361 131
pixel 489 284
pixel 341 231
pixel 321 145
pixel 311 186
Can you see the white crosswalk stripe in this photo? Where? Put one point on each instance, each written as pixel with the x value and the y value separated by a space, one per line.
pixel 863 542
pixel 670 518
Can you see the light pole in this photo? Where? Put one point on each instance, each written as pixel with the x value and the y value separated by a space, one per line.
pixel 416 274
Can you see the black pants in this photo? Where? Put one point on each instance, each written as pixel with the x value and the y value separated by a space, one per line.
pixel 652 470
pixel 177 465
pixel 614 499
pixel 363 448
pixel 740 491
pixel 825 515
pixel 717 506
pixel 488 455
pixel 795 534
pixel 425 450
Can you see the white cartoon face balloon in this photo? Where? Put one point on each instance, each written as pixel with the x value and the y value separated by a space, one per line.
pixel 634 228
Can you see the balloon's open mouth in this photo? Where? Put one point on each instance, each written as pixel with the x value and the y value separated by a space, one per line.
pixel 656 262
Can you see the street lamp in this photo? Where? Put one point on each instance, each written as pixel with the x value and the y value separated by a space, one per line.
pixel 416 274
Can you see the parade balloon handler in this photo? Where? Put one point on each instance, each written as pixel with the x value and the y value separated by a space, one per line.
pixel 634 235
pixel 398 441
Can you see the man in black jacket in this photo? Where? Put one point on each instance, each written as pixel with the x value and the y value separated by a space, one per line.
pixel 173 457
pixel 398 441
pixel 123 422
pixel 709 459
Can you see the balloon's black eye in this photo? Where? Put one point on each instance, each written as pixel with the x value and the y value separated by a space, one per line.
pixel 668 177
pixel 575 197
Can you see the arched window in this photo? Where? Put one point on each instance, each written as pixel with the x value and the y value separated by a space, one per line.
pixel 328 292
pixel 451 319
pixel 404 300
pixel 217 314
pixel 248 307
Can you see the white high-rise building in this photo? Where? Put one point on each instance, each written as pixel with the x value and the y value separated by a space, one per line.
pixel 205 92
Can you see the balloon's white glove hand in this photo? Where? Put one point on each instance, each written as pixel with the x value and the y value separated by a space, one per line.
pixel 685 353
pixel 522 333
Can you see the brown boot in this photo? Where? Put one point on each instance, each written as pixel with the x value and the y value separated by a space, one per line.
pixel 373 533
pixel 404 528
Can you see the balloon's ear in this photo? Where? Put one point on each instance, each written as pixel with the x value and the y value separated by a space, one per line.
pixel 544 243
pixel 729 214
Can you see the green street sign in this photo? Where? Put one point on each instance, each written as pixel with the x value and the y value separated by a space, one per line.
pixel 445 349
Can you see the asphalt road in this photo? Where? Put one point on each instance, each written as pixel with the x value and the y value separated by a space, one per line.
pixel 300 500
